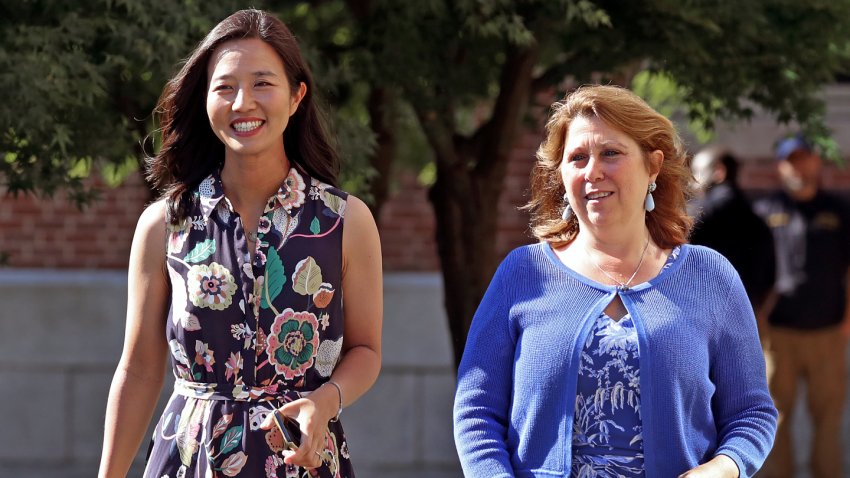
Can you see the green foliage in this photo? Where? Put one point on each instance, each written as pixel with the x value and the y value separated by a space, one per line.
pixel 86 75
pixel 82 77
pixel 325 30
pixel 721 59
pixel 663 94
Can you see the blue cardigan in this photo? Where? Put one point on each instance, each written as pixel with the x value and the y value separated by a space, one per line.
pixel 702 373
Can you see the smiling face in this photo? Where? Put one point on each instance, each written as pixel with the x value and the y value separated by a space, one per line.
pixel 249 100
pixel 606 175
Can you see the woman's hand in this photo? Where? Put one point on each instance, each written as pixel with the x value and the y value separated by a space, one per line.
pixel 721 466
pixel 312 413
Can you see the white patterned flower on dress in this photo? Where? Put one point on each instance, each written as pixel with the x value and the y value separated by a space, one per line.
pixel 211 286
pixel 208 195
pixel 327 357
pixel 617 335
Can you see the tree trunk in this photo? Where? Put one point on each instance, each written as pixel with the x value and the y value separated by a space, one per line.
pixel 380 100
pixel 465 196
pixel 465 233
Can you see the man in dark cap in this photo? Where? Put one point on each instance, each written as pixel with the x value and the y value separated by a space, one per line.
pixel 808 314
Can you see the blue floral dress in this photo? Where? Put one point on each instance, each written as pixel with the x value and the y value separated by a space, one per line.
pixel 607 440
pixel 248 337
pixel 607 426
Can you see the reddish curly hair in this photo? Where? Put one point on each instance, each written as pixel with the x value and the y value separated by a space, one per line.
pixel 669 224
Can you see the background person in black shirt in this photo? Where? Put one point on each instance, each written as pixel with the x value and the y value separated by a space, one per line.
pixel 726 223
pixel 808 314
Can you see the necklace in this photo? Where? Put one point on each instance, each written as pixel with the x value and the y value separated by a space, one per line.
pixel 623 286
pixel 251 236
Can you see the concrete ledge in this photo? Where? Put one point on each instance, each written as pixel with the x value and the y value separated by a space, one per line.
pixel 61 335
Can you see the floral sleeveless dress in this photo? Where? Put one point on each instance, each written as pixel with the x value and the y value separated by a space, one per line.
pixel 248 337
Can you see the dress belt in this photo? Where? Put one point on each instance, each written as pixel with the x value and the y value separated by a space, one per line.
pixel 239 393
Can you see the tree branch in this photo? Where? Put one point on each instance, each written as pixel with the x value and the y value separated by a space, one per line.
pixel 496 137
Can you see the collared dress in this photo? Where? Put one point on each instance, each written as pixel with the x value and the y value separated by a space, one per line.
pixel 248 337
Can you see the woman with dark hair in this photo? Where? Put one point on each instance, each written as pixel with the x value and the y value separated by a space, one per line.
pixel 611 347
pixel 239 272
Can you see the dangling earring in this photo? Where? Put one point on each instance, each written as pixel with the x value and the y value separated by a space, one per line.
pixel 568 211
pixel 649 202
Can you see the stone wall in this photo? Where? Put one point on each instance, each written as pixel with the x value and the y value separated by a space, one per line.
pixel 61 335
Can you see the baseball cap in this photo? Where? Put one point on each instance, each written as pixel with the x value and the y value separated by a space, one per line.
pixel 788 145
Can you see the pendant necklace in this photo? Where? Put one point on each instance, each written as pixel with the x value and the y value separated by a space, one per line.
pixel 622 286
pixel 251 236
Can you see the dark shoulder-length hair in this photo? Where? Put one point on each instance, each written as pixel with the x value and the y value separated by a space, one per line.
pixel 669 224
pixel 190 151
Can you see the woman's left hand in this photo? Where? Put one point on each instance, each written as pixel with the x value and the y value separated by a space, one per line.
pixel 721 466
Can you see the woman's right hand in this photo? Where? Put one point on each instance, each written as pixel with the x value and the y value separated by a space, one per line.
pixel 312 414
pixel 721 466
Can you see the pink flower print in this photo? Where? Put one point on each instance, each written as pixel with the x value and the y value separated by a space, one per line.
pixel 292 194
pixel 293 343
pixel 204 355
pixel 260 257
pixel 272 462
pixel 233 365
pixel 264 225
pixel 211 286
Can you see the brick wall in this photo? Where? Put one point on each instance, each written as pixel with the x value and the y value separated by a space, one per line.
pixel 54 234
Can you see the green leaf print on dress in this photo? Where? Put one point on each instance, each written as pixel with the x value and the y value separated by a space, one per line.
pixel 201 252
pixel 275 278
pixel 231 439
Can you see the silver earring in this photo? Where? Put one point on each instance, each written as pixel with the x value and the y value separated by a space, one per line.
pixel 649 202
pixel 568 211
